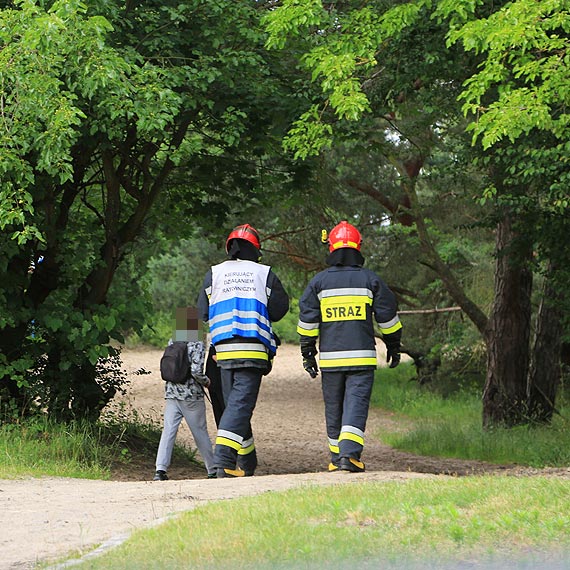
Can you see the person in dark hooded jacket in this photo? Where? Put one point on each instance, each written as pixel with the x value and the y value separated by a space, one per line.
pixel 240 300
pixel 338 308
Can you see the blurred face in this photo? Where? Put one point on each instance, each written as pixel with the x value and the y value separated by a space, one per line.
pixel 188 326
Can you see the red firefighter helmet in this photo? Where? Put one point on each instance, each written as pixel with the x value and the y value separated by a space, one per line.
pixel 344 235
pixel 245 232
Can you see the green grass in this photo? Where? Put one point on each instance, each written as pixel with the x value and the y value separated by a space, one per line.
pixel 41 447
pixel 452 426
pixel 363 525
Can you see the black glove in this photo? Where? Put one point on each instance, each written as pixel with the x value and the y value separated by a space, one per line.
pixel 392 342
pixel 309 351
pixel 393 356
pixel 310 365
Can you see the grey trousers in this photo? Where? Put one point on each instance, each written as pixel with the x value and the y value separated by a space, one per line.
pixel 194 412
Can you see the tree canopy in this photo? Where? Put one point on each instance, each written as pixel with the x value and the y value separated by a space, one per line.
pixel 510 73
pixel 131 128
pixel 110 111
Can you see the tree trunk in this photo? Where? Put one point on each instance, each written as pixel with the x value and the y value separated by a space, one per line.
pixel 508 333
pixel 544 375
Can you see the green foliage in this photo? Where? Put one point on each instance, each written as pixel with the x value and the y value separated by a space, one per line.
pixel 450 425
pixel 342 47
pixel 294 17
pixel 113 117
pixel 286 328
pixel 16 205
pixel 519 87
pixel 156 332
pixel 42 447
pixel 174 277
pixel 39 446
pixel 525 47
pixel 308 135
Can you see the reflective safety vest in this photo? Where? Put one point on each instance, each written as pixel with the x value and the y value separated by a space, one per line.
pixel 338 307
pixel 238 308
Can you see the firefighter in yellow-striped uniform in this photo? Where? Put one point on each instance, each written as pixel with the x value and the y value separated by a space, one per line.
pixel 337 308
pixel 240 300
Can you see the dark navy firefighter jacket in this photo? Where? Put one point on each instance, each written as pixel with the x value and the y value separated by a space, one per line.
pixel 338 307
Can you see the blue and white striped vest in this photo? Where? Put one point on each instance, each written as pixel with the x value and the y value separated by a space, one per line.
pixel 238 303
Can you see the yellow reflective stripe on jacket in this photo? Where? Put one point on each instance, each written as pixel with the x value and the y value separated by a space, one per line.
pixel 347 358
pixel 308 329
pixel 334 362
pixel 241 351
pixel 391 326
pixel 305 332
pixel 345 292
pixel 243 355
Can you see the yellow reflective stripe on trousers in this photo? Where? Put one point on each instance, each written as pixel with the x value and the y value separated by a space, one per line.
pixel 351 437
pixel 246 450
pixel 228 443
pixel 243 354
pixel 334 362
pixel 333 445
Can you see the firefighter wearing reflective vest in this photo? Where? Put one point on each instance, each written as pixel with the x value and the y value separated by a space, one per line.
pixel 239 300
pixel 337 308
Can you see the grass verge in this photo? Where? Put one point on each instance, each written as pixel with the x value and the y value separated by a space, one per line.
pixel 362 525
pixel 41 447
pixel 452 427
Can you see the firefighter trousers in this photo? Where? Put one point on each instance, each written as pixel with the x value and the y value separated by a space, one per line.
pixel 234 441
pixel 346 396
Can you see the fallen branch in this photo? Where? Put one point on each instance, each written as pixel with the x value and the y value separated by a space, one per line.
pixel 429 311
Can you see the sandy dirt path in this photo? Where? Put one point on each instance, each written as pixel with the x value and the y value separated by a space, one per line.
pixel 43 519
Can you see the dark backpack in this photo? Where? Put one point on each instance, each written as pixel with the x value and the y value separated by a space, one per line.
pixel 174 364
